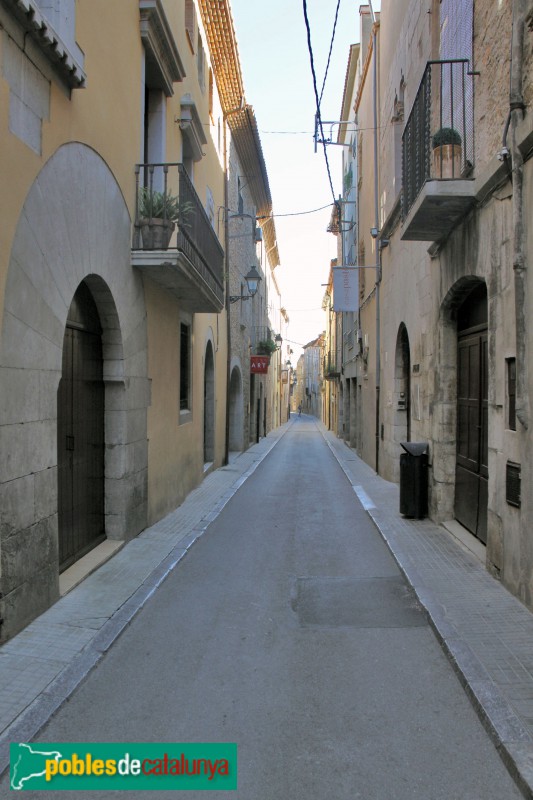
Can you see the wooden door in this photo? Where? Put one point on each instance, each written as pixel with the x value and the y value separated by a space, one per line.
pixel 81 433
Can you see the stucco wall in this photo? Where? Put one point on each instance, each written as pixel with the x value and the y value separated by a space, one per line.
pixel 74 226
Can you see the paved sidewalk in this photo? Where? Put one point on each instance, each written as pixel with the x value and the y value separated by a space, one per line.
pixel 42 665
pixel 485 631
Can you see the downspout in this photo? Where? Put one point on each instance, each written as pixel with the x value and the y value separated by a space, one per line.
pixel 516 115
pixel 227 286
pixel 376 225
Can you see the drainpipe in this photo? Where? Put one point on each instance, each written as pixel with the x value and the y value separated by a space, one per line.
pixel 376 226
pixel 516 115
pixel 227 286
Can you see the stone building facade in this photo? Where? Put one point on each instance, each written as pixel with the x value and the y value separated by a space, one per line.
pixel 453 244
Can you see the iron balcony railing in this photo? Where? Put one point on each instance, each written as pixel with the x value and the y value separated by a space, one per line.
pixel 438 140
pixel 331 369
pixel 165 194
pixel 260 333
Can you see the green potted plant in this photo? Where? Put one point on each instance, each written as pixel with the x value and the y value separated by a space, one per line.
pixel 447 153
pixel 158 214
pixel 266 347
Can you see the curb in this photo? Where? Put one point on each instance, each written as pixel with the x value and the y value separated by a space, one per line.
pixel 27 724
pixel 511 738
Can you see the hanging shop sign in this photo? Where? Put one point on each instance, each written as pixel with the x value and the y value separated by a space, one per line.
pixel 259 364
pixel 345 289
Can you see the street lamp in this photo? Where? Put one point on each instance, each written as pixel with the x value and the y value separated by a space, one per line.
pixel 252 279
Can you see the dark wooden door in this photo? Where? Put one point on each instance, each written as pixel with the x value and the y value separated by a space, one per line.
pixel 471 486
pixel 81 433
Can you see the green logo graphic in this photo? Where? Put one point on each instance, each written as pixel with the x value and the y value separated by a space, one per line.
pixel 79 766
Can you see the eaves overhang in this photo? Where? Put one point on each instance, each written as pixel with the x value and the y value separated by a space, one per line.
pixel 224 53
pixel 245 135
pixel 222 42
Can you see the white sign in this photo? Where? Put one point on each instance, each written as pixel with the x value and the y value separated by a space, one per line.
pixel 345 289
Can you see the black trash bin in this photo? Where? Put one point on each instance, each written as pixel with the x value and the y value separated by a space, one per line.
pixel 414 480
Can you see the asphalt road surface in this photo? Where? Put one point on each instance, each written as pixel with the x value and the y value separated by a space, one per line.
pixel 289 630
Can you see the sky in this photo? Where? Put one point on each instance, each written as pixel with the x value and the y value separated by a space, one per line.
pixel 275 62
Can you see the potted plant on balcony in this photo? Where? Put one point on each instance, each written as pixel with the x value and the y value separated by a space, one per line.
pixel 158 214
pixel 447 153
pixel 266 347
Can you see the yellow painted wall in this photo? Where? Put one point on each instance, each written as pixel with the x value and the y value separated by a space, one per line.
pixel 106 115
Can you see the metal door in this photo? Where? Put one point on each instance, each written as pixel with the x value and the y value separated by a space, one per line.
pixel 81 433
pixel 471 485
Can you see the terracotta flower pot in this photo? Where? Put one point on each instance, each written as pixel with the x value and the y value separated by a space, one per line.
pixel 156 233
pixel 447 161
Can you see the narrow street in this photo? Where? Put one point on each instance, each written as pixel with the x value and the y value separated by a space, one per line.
pixel 289 630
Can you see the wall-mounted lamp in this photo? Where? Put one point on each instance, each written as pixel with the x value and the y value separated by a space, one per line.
pixel 278 338
pixel 252 279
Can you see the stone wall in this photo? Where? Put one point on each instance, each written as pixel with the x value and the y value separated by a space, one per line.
pixel 74 226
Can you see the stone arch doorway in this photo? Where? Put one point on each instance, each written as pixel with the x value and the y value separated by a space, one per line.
pixel 236 412
pixel 472 472
pixel 402 387
pixel 54 249
pixel 80 432
pixel 209 405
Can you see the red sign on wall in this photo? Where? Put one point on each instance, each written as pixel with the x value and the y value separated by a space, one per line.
pixel 259 364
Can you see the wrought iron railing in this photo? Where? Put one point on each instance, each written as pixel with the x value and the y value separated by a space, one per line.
pixel 330 367
pixel 438 140
pixel 165 192
pixel 260 333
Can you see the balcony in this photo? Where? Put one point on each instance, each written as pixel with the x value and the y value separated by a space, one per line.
pixel 332 370
pixel 174 243
pixel 438 152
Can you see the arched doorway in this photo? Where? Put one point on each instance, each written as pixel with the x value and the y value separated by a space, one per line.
pixel 471 475
pixel 402 387
pixel 80 432
pixel 209 405
pixel 236 412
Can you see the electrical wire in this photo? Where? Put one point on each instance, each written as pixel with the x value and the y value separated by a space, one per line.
pixel 317 99
pixel 330 48
pixel 296 213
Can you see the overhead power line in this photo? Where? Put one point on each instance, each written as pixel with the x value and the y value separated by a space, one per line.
pixel 296 213
pixel 317 99
pixel 330 48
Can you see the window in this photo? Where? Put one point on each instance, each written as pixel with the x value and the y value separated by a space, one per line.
pixel 240 208
pixel 210 206
pixel 211 97
pixel 185 367
pixel 397 132
pixel 362 272
pixel 190 24
pixel 29 96
pixel 511 393
pixel 201 64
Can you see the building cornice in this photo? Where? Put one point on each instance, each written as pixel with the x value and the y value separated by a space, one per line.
pixel 160 46
pixel 65 63
pixel 349 82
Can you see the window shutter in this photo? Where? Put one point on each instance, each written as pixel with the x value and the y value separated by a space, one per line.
pixel 190 23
